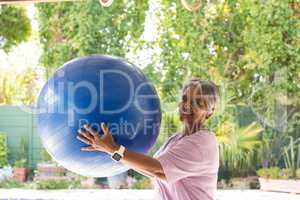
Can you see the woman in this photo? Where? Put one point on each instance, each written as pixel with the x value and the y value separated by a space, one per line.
pixel 186 166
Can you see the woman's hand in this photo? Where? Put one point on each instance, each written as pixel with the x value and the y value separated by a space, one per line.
pixel 145 164
pixel 96 142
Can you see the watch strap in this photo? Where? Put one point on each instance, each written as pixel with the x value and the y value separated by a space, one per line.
pixel 118 155
pixel 121 151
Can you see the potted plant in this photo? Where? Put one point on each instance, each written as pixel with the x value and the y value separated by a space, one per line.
pixel 20 165
pixel 20 170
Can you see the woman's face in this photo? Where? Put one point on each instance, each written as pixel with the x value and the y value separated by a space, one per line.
pixel 189 110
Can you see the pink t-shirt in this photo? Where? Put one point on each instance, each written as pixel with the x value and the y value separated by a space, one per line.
pixel 191 165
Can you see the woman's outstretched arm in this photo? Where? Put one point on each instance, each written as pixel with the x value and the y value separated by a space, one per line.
pixel 145 164
pixel 142 163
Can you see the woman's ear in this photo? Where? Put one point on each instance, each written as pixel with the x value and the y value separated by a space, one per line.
pixel 200 114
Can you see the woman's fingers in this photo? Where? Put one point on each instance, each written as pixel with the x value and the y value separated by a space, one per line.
pixel 88 148
pixel 83 139
pixel 86 134
pixel 104 128
pixel 90 129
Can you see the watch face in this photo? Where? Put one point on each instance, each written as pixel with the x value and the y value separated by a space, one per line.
pixel 116 157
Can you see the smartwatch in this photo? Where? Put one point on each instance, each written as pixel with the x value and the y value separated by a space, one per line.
pixel 118 155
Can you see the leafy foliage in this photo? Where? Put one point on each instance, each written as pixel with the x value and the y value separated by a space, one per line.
pixel 272 147
pixel 72 29
pixel 276 173
pixel 292 156
pixel 3 151
pixel 143 183
pixel 22 154
pixel 298 173
pixel 238 147
pixel 19 87
pixel 11 183
pixel 273 173
pixel 52 184
pixel 242 42
pixel 19 26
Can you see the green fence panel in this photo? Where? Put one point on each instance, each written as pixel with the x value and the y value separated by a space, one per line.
pixel 17 123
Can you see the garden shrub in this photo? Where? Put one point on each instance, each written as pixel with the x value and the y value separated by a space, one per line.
pixel 11 183
pixel 143 183
pixel 273 172
pixel 53 184
pixel 277 173
pixel 298 174
pixel 3 151
pixel 286 173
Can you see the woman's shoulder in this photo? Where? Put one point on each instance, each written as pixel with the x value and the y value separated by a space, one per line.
pixel 202 137
pixel 167 143
pixel 204 133
pixel 173 137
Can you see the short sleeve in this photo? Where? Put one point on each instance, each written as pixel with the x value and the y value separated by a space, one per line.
pixel 192 156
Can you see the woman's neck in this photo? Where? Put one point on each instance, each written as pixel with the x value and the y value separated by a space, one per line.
pixel 191 128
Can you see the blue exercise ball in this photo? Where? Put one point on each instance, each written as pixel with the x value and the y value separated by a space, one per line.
pixel 96 89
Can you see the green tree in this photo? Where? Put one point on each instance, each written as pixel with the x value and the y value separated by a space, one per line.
pixel 242 42
pixel 250 46
pixel 238 147
pixel 72 29
pixel 15 26
pixel 19 87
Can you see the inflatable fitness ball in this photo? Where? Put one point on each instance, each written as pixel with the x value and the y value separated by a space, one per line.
pixel 96 89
